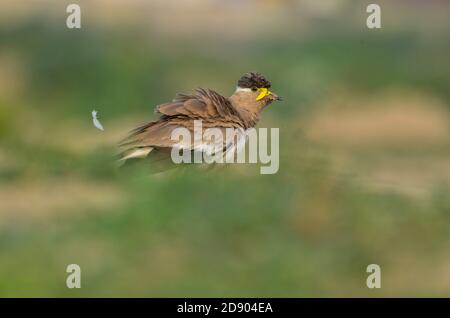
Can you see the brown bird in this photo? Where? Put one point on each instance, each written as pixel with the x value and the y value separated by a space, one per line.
pixel 241 111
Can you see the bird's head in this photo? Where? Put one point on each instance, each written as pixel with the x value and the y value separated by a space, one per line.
pixel 253 88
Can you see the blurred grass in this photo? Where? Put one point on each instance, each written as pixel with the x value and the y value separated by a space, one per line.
pixel 334 207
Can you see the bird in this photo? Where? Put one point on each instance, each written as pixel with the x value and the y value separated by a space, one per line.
pixel 152 142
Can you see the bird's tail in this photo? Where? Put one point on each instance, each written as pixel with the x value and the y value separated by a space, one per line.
pixel 155 158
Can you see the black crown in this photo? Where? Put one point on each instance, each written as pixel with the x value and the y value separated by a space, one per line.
pixel 253 80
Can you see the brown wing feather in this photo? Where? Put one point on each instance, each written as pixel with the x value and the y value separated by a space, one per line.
pixel 156 133
pixel 205 104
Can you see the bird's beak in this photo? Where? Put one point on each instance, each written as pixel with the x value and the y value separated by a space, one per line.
pixel 263 92
pixel 276 97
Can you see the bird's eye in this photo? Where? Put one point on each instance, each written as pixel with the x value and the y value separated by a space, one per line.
pixel 254 89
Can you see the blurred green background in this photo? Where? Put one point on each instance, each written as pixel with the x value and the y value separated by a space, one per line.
pixel 364 157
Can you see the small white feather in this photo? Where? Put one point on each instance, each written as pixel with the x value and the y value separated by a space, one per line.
pixel 96 122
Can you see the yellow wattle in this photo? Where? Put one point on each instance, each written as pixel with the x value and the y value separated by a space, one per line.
pixel 263 93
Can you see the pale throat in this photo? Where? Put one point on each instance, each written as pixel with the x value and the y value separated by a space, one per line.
pixel 242 89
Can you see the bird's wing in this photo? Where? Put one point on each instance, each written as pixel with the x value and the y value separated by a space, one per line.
pixel 212 108
pixel 155 133
pixel 204 104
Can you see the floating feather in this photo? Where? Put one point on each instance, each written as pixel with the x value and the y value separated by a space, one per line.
pixel 96 122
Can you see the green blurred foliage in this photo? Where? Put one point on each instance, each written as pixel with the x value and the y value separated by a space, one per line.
pixel 309 230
